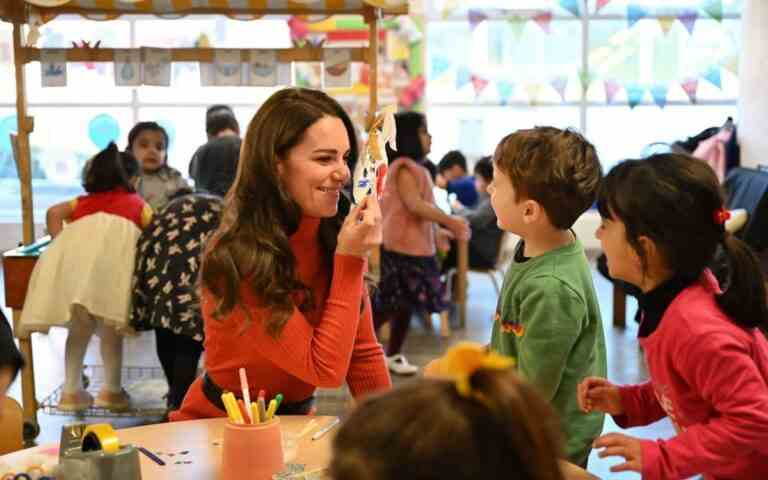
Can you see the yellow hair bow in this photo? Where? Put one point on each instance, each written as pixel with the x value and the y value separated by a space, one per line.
pixel 464 359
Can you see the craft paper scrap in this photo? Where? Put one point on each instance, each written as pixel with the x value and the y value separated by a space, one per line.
pixel 157 67
pixel 262 68
pixel 53 67
pixel 127 68
pixel 337 71
pixel 228 68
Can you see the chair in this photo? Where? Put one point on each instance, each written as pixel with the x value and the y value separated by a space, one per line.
pixel 11 426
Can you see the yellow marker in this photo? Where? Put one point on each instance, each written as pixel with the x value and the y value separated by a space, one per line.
pixel 238 417
pixel 271 409
pixel 255 413
pixel 227 407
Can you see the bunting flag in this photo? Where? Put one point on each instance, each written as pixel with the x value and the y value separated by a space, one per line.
pixel 659 93
pixel 463 77
pixel 476 17
pixel 635 94
pixel 601 4
pixel 559 84
pixel 586 79
pixel 714 8
pixel 544 20
pixel 440 65
pixel 573 6
pixel 534 92
pixel 713 76
pixel 688 19
pixel 691 86
pixel 611 89
pixel 666 23
pixel 517 25
pixel 732 64
pixel 479 84
pixel 505 89
pixel 635 13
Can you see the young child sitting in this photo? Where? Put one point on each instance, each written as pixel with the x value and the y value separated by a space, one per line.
pixel 11 361
pixel 483 422
pixel 83 279
pixel 663 221
pixel 548 317
pixel 158 182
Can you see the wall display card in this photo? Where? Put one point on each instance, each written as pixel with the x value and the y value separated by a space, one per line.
pixel 228 68
pixel 207 74
pixel 336 68
pixel 53 67
pixel 127 68
pixel 262 68
pixel 285 74
pixel 157 67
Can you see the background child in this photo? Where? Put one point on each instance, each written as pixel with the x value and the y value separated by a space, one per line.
pixel 707 359
pixel 83 278
pixel 158 183
pixel 548 317
pixel 11 361
pixel 482 423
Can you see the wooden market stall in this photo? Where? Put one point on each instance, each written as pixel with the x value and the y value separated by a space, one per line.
pixel 18 264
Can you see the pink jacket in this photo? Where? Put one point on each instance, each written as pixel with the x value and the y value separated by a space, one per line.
pixel 710 377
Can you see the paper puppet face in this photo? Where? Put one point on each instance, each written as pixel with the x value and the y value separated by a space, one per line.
pixel 371 169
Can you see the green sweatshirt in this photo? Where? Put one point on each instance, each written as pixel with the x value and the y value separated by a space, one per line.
pixel 548 320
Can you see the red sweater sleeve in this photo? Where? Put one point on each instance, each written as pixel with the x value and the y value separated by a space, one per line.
pixel 368 372
pixel 723 372
pixel 318 355
pixel 641 407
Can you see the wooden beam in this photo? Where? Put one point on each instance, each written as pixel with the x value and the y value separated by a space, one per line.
pixel 228 11
pixel 371 18
pixel 205 55
pixel 23 150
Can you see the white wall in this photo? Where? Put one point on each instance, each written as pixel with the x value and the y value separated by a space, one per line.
pixel 753 98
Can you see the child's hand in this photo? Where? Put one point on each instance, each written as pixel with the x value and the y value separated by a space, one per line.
pixel 616 444
pixel 595 393
pixel 433 369
pixel 443 239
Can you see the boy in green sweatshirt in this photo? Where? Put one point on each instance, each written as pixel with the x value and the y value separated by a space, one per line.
pixel 548 317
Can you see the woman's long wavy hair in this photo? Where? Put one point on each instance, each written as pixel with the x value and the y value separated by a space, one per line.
pixel 251 243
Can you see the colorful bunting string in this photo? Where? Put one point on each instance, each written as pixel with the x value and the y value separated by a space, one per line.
pixel 544 20
pixel 505 90
pixel 688 19
pixel 440 65
pixel 479 84
pixel 666 23
pixel 611 89
pixel 713 76
pixel 463 77
pixel 714 8
pixel 635 93
pixel 560 84
pixel 601 4
pixel 659 93
pixel 534 92
pixel 573 6
pixel 691 86
pixel 476 17
pixel 635 13
pixel 517 25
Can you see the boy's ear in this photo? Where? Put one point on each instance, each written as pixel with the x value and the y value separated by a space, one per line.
pixel 649 249
pixel 532 211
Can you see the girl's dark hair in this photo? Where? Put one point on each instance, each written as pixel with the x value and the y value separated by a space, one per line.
pixel 511 433
pixel 130 164
pixel 407 139
pixel 672 199
pixel 153 127
pixel 10 357
pixel 105 172
pixel 251 244
pixel 484 168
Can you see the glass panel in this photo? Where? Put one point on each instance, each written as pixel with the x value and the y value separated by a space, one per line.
pixel 7 76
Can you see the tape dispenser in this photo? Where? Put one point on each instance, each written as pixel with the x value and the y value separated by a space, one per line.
pixel 93 452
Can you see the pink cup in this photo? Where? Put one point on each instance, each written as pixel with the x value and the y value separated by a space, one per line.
pixel 252 452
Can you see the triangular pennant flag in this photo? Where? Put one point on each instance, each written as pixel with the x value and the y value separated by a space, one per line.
pixel 714 8
pixel 479 84
pixel 544 20
pixel 601 4
pixel 635 94
pixel 659 93
pixel 688 19
pixel 560 84
pixel 635 13
pixel 572 6
pixel 666 23
pixel 585 78
pixel 517 25
pixel 505 90
pixel 440 65
pixel 611 89
pixel 476 17
pixel 691 86
pixel 732 64
pixel 713 75
pixel 533 90
pixel 463 77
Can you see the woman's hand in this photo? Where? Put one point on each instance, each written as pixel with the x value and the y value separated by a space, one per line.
pixel 595 393
pixel 459 227
pixel 617 444
pixel 361 230
pixel 443 239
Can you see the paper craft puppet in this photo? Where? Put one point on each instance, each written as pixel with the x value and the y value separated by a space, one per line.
pixel 371 168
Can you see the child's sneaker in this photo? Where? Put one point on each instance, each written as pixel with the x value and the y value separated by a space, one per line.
pixel 75 401
pixel 115 402
pixel 399 365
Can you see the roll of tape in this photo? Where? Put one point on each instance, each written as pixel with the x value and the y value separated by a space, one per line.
pixel 100 437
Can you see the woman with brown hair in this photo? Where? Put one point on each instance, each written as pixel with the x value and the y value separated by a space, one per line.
pixel 282 280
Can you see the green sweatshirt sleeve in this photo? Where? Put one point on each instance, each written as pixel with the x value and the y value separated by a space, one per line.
pixel 552 317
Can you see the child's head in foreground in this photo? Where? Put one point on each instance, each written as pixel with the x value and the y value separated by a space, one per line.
pixel 543 178
pixel 489 424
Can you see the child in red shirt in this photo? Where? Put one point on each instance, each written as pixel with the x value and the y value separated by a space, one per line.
pixel 706 355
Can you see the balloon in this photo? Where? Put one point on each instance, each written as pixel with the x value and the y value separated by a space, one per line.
pixel 103 129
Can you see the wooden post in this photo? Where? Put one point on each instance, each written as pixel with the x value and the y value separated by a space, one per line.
pixel 462 267
pixel 619 307
pixel 371 18
pixel 26 125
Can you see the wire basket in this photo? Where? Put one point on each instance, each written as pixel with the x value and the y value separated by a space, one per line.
pixel 146 386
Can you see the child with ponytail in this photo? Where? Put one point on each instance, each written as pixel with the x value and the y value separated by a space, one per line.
pixel 663 220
